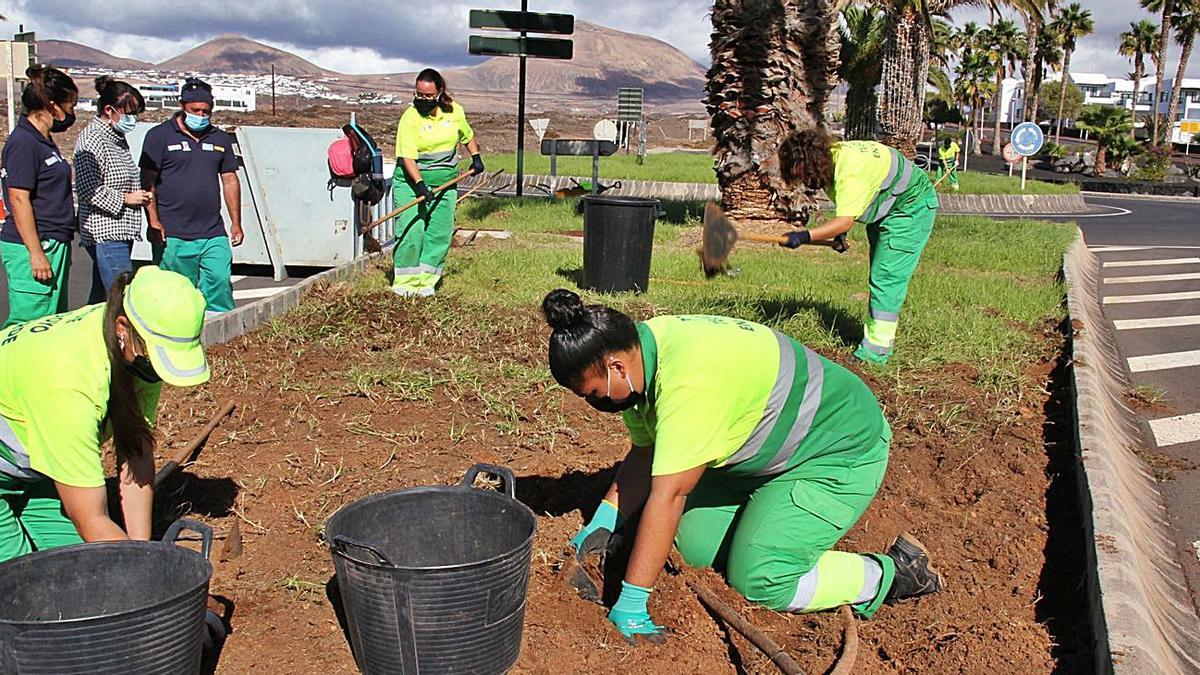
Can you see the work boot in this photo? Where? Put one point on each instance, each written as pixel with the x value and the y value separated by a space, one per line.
pixel 914 575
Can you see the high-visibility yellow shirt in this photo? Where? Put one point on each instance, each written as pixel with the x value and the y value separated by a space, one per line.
pixel 433 141
pixel 859 169
pixel 949 154
pixel 54 389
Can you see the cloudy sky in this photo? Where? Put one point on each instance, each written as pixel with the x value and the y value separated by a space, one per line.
pixel 385 37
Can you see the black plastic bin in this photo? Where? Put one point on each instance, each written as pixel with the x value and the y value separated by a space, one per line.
pixel 115 607
pixel 433 579
pixel 618 237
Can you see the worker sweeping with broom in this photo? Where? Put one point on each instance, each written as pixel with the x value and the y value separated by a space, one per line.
pixel 427 140
pixel 751 452
pixel 70 381
pixel 873 184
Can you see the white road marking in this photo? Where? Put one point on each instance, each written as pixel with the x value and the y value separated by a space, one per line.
pixel 1158 322
pixel 1176 430
pixel 1114 248
pixel 1153 278
pixel 1157 261
pixel 255 293
pixel 236 278
pixel 1140 364
pixel 1151 297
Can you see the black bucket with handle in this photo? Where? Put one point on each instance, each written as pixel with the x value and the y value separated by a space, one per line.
pixel 112 607
pixel 433 579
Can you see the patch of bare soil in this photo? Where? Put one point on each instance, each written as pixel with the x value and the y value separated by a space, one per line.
pixel 356 393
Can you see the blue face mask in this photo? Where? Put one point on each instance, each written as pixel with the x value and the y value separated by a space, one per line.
pixel 126 124
pixel 195 122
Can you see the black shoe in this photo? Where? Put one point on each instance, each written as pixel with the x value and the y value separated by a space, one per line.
pixel 914 575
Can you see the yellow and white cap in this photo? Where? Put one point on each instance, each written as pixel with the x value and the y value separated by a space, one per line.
pixel 168 313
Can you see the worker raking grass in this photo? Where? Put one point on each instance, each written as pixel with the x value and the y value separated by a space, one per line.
pixel 873 184
pixel 751 452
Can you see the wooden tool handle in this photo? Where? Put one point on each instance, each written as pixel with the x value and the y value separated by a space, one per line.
pixel 183 455
pixel 395 212
pixel 778 239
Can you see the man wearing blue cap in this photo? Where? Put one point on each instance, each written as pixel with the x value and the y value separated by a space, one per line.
pixel 188 164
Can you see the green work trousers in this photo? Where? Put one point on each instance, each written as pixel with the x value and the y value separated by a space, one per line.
pixel 422 233
pixel 32 518
pixel 28 298
pixel 896 243
pixel 772 537
pixel 207 263
pixel 950 168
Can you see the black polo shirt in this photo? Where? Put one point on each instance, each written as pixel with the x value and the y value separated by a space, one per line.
pixel 188 189
pixel 32 162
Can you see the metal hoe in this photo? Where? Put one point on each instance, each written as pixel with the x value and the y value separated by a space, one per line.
pixel 719 238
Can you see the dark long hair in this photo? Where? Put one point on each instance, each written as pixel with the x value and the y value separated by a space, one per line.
pixel 583 335
pixel 119 95
pixel 131 434
pixel 806 157
pixel 47 85
pixel 445 101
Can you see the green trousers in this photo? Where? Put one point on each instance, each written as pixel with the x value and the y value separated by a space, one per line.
pixel 772 538
pixel 32 518
pixel 207 263
pixel 896 244
pixel 952 169
pixel 29 298
pixel 422 233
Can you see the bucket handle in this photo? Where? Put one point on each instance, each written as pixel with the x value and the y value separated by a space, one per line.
pixel 341 543
pixel 503 473
pixel 205 532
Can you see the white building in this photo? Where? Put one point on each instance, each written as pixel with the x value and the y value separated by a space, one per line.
pixel 159 95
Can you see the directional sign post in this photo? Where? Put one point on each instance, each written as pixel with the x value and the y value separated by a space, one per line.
pixel 523 47
pixel 1026 138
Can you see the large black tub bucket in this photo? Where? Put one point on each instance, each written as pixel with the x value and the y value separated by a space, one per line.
pixel 116 607
pixel 618 238
pixel 433 579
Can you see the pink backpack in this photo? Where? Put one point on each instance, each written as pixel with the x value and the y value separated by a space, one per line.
pixel 341 159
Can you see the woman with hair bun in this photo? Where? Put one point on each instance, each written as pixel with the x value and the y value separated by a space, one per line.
pixel 751 452
pixel 108 184
pixel 36 182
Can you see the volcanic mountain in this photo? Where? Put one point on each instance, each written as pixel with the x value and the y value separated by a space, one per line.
pixel 67 54
pixel 231 53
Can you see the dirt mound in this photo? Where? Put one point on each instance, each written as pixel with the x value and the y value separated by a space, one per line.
pixel 356 392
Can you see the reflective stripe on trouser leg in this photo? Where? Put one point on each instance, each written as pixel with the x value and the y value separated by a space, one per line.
pixel 879 335
pixel 838 578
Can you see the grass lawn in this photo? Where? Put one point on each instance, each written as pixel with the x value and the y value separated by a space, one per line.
pixel 982 293
pixel 687 167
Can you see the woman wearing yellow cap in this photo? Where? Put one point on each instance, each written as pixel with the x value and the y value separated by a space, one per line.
pixel 70 381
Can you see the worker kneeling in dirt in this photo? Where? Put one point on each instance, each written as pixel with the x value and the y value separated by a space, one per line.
pixel 749 450
pixel 67 383
pixel 876 185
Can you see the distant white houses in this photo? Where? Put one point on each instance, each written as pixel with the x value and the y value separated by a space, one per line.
pixel 1100 89
pixel 160 95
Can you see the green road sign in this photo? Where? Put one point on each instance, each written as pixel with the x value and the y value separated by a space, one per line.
pixel 538 48
pixel 526 22
pixel 629 104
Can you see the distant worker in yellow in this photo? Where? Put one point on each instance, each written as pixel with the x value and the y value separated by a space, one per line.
pixel 427 140
pixel 948 161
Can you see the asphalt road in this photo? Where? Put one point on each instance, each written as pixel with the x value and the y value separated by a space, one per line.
pixel 250 282
pixel 1150 265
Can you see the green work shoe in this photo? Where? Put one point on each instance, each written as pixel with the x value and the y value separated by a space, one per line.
pixel 862 355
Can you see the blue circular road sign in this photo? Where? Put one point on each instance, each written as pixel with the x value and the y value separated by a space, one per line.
pixel 1027 138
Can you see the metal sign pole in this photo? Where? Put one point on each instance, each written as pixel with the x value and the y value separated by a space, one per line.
pixel 1024 168
pixel 8 63
pixel 521 111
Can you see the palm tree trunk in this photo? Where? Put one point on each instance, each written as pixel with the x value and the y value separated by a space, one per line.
pixel 1137 89
pixel 1173 106
pixel 1062 96
pixel 774 65
pixel 1164 41
pixel 1101 158
pixel 905 70
pixel 997 102
pixel 861 112
pixel 1031 35
pixel 978 115
pixel 1037 86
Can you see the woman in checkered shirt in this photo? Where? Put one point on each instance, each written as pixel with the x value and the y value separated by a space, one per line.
pixel 107 182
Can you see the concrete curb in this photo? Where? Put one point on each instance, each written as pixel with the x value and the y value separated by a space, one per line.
pixel 1008 205
pixel 1139 606
pixel 242 320
pixel 1141 198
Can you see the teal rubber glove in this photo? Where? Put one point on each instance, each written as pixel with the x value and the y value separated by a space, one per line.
pixel 595 535
pixel 631 617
